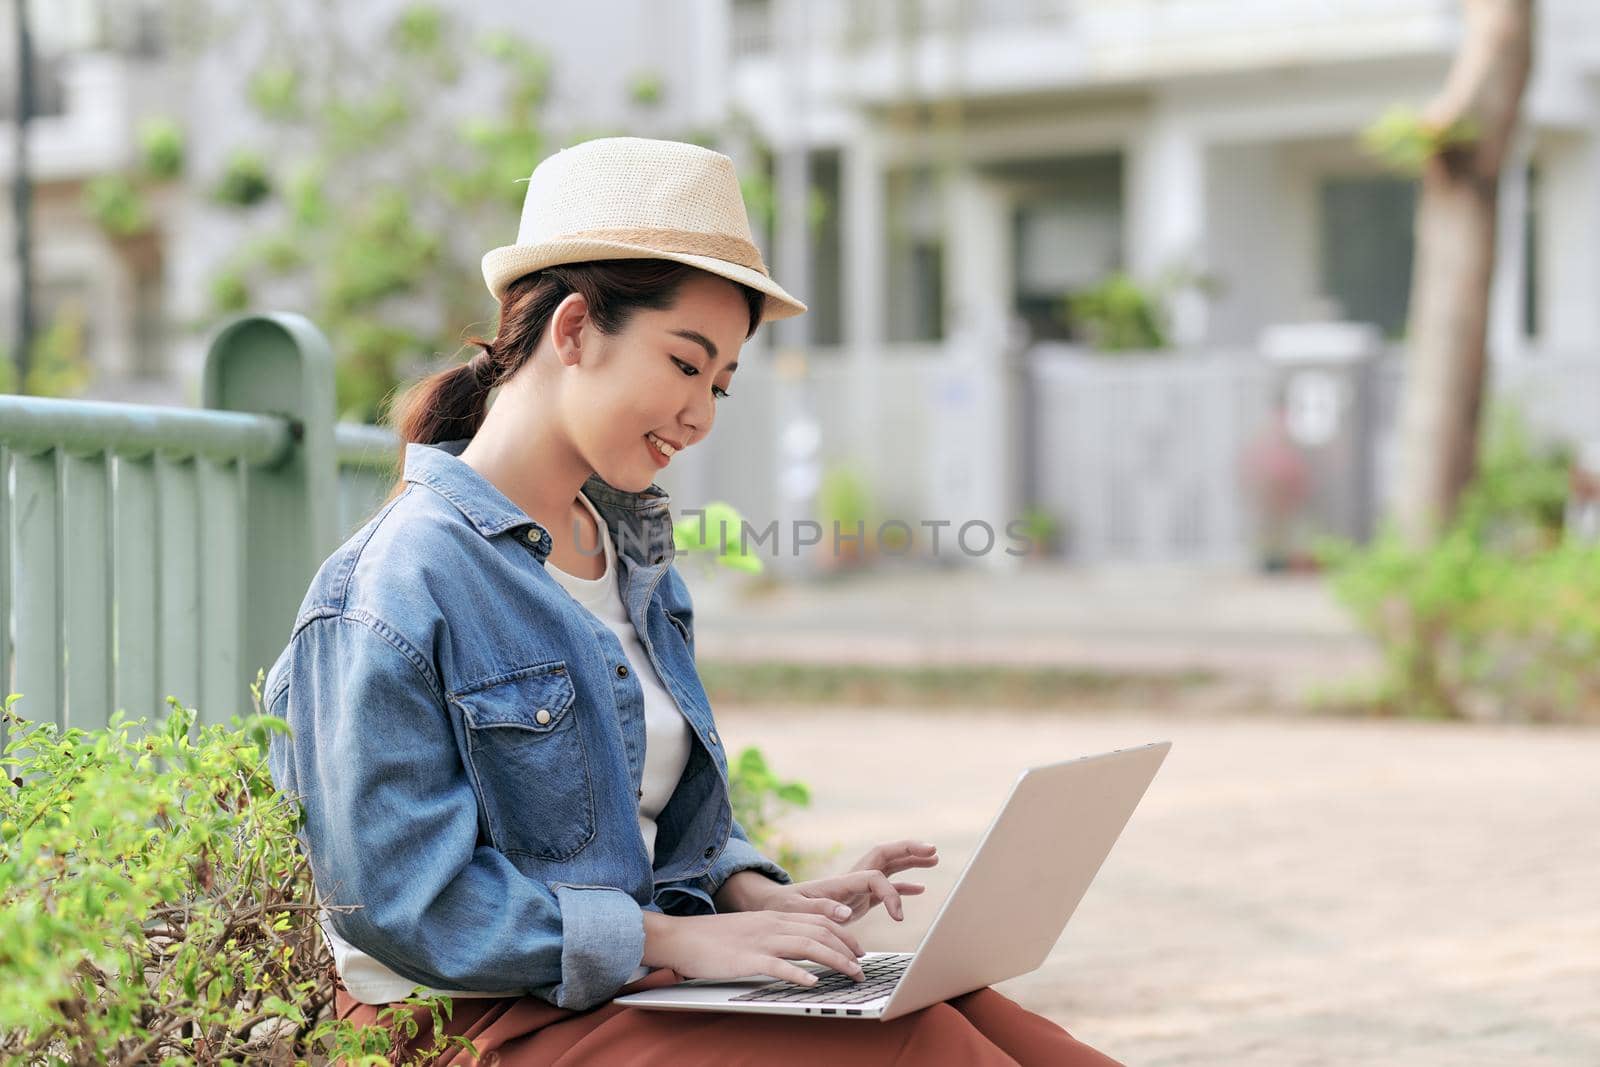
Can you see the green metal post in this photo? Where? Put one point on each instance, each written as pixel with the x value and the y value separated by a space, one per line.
pixel 279 364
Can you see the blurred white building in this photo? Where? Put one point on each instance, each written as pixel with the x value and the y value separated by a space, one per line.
pixel 946 173
pixel 101 66
pixel 988 157
pixel 1212 136
pixel 97 67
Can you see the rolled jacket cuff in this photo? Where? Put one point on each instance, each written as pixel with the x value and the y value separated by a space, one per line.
pixel 684 898
pixel 739 855
pixel 602 943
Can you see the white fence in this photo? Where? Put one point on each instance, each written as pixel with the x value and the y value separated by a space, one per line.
pixel 1142 458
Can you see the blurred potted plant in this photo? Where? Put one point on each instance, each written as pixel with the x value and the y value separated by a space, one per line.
pixel 1043 531
pixel 842 499
pixel 1120 315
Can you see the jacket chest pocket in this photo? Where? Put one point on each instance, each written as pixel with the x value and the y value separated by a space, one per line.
pixel 529 763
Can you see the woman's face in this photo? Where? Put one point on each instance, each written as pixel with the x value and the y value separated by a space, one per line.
pixel 656 383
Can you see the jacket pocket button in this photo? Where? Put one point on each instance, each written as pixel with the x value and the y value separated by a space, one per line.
pixel 712 851
pixel 622 670
pixel 541 717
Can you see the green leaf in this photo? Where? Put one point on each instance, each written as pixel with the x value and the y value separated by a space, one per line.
pixel 274 91
pixel 244 182
pixel 161 143
pixel 1402 139
pixel 117 205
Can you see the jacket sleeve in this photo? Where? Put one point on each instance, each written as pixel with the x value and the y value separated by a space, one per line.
pixel 739 855
pixel 390 824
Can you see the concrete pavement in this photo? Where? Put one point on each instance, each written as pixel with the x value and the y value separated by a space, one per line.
pixel 1300 891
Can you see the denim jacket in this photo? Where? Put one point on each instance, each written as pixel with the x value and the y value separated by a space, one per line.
pixel 468 741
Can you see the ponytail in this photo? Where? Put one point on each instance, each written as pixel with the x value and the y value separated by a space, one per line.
pixel 445 405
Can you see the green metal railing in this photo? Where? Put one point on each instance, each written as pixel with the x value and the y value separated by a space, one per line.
pixel 368 458
pixel 148 552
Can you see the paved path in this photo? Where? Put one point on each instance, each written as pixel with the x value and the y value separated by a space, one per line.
pixel 1290 892
pixel 1286 633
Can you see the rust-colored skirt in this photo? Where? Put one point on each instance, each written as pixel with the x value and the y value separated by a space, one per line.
pixel 979 1028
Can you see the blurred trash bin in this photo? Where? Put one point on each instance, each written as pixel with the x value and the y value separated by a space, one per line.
pixel 1323 381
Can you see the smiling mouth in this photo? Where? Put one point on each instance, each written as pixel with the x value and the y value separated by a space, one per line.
pixel 660 445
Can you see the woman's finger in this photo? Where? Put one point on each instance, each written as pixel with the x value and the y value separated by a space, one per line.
pixel 828 938
pixel 836 897
pixel 799 947
pixel 826 907
pixel 815 900
pixel 877 855
pixel 913 856
pixel 897 856
pixel 845 938
pixel 829 907
pixel 910 889
pixel 783 969
pixel 880 889
pixel 832 897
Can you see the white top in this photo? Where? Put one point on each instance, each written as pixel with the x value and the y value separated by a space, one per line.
pixel 666 754
pixel 666 732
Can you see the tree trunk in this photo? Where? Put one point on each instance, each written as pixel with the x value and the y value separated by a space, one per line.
pixel 1455 248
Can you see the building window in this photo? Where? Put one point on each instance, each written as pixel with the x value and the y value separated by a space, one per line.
pixel 916 257
pixel 826 236
pixel 1367 231
pixel 752 27
pixel 1066 236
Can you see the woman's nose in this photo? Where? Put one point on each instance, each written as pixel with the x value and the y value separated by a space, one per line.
pixel 696 419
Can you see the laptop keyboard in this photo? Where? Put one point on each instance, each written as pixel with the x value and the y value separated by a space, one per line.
pixel 882 973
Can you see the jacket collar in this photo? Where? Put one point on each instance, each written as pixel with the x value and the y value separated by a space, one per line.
pixel 491 512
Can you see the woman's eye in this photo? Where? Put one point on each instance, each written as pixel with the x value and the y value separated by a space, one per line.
pixel 689 371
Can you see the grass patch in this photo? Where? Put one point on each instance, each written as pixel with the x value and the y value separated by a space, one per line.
pixel 832 683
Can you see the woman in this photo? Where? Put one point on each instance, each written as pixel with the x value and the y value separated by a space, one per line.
pixel 503 751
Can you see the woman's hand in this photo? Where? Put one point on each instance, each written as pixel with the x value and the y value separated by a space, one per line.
pixel 739 944
pixel 843 897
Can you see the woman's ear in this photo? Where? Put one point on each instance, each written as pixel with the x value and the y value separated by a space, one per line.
pixel 566 327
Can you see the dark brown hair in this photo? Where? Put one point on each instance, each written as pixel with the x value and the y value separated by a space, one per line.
pixel 451 403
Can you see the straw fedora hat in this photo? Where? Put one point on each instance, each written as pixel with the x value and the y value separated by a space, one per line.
pixel 635 198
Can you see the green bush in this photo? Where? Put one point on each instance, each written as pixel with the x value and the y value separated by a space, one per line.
pixel 244 181
pixel 274 91
pixel 1501 619
pixel 759 797
pixel 716 535
pixel 59 363
pixel 1119 314
pixel 155 906
pixel 1469 631
pixel 117 205
pixel 161 145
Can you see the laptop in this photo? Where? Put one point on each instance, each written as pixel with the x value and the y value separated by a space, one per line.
pixel 1001 920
